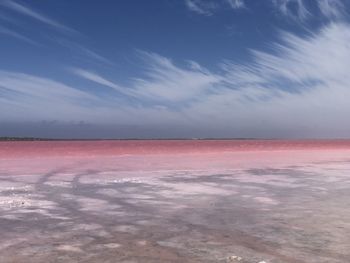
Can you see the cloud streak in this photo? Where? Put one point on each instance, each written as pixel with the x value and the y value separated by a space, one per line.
pixel 26 11
pixel 96 78
pixel 67 38
pixel 14 34
pixel 208 8
pixel 298 9
pixel 86 54
pixel 236 3
pixel 332 9
pixel 201 7
pixel 295 9
pixel 300 89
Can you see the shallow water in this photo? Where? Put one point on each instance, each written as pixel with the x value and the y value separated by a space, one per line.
pixel 175 201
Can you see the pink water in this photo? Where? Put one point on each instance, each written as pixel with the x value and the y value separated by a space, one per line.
pixel 115 148
pixel 155 155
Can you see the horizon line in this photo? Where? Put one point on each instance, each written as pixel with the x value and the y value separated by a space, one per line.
pixel 19 138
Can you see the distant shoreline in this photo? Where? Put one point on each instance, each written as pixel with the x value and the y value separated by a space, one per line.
pixel 7 139
pixel 120 139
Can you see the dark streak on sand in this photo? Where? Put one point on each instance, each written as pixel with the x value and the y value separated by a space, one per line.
pixel 279 214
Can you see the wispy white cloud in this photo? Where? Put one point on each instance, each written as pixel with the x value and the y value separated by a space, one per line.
pixel 26 11
pixel 69 41
pixel 208 7
pixel 94 55
pixel 94 77
pixel 236 3
pixel 26 98
pixel 25 84
pixel 332 9
pixel 81 51
pixel 295 9
pixel 298 90
pixel 24 95
pixel 302 86
pixel 164 81
pixel 298 9
pixel 201 7
pixel 14 34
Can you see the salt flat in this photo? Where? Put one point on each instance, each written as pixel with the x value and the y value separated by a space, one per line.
pixel 175 201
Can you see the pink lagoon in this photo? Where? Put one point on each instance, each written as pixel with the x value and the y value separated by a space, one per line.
pixel 174 131
pixel 175 201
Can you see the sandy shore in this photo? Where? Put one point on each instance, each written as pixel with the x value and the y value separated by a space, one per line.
pixel 286 202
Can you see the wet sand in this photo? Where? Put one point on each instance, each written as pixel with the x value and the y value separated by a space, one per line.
pixel 175 201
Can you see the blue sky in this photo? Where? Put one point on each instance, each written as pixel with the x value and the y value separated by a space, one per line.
pixel 175 68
